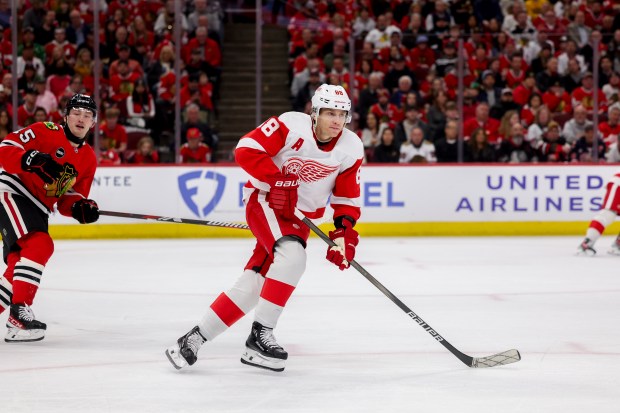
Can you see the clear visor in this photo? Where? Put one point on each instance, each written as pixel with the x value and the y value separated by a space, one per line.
pixel 82 113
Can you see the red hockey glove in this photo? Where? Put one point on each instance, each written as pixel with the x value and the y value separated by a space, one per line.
pixel 42 164
pixel 85 211
pixel 283 194
pixel 346 239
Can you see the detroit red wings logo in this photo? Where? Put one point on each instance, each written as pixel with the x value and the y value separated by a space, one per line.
pixel 307 170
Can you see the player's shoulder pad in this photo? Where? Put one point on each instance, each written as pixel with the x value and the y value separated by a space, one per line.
pixel 296 121
pixel 351 144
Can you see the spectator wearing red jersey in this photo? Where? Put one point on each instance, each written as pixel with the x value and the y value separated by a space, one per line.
pixel 479 62
pixel 311 53
pixel 108 156
pixel 197 93
pixel 422 57
pixel 515 74
pixel 121 84
pixel 528 112
pixel 124 54
pixel 141 38
pixel 210 49
pixel 556 99
pixel 482 120
pixel 114 131
pixel 521 93
pixel 584 95
pixel 385 111
pixel 395 48
pixel 60 41
pixel 551 25
pixel 145 152
pixel 195 151
pixel 6 50
pixel 25 112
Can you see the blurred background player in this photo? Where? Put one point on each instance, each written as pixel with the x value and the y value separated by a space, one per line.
pixel 294 161
pixel 603 218
pixel 43 165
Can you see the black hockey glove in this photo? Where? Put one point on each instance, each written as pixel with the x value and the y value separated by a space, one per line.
pixel 85 211
pixel 43 165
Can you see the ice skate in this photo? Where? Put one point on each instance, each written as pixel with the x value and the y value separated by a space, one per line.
pixel 262 349
pixel 615 247
pixel 586 248
pixel 22 326
pixel 185 352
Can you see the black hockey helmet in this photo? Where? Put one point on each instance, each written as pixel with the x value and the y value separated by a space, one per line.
pixel 81 101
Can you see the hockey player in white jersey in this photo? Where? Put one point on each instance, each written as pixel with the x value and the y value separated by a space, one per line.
pixel 603 218
pixel 294 161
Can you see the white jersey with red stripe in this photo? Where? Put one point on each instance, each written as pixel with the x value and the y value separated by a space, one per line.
pixel 611 200
pixel 287 144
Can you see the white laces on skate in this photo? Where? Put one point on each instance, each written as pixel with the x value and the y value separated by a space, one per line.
pixel 267 337
pixel 194 342
pixel 25 313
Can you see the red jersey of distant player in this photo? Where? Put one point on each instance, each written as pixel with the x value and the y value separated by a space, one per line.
pixel 50 138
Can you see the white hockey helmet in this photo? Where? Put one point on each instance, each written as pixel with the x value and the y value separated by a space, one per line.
pixel 331 97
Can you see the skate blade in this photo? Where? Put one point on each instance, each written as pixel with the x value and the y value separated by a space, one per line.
pixel 254 358
pixel 614 251
pixel 175 358
pixel 18 335
pixel 585 253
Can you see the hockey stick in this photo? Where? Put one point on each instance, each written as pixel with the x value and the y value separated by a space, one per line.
pixel 499 359
pixel 177 220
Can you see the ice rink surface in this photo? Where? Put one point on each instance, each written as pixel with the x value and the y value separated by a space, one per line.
pixel 112 307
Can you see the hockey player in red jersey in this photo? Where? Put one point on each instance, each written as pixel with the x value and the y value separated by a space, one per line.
pixel 294 161
pixel 608 213
pixel 43 165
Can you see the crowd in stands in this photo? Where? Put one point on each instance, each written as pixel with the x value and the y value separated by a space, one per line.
pixel 528 74
pixel 527 70
pixel 56 59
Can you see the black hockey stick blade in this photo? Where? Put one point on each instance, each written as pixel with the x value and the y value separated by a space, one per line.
pixel 499 359
pixel 177 220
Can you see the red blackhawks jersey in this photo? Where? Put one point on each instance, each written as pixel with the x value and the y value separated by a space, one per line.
pixel 50 138
pixel 287 144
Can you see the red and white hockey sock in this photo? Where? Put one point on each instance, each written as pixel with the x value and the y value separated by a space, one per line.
pixel 26 280
pixel 288 266
pixel 601 220
pixel 230 306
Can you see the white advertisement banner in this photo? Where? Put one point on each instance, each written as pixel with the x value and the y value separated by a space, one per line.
pixel 424 193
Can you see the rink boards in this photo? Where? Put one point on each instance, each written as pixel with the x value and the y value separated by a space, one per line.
pixel 398 200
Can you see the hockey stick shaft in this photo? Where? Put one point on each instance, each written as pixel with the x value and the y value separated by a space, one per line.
pixel 177 220
pixel 506 357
